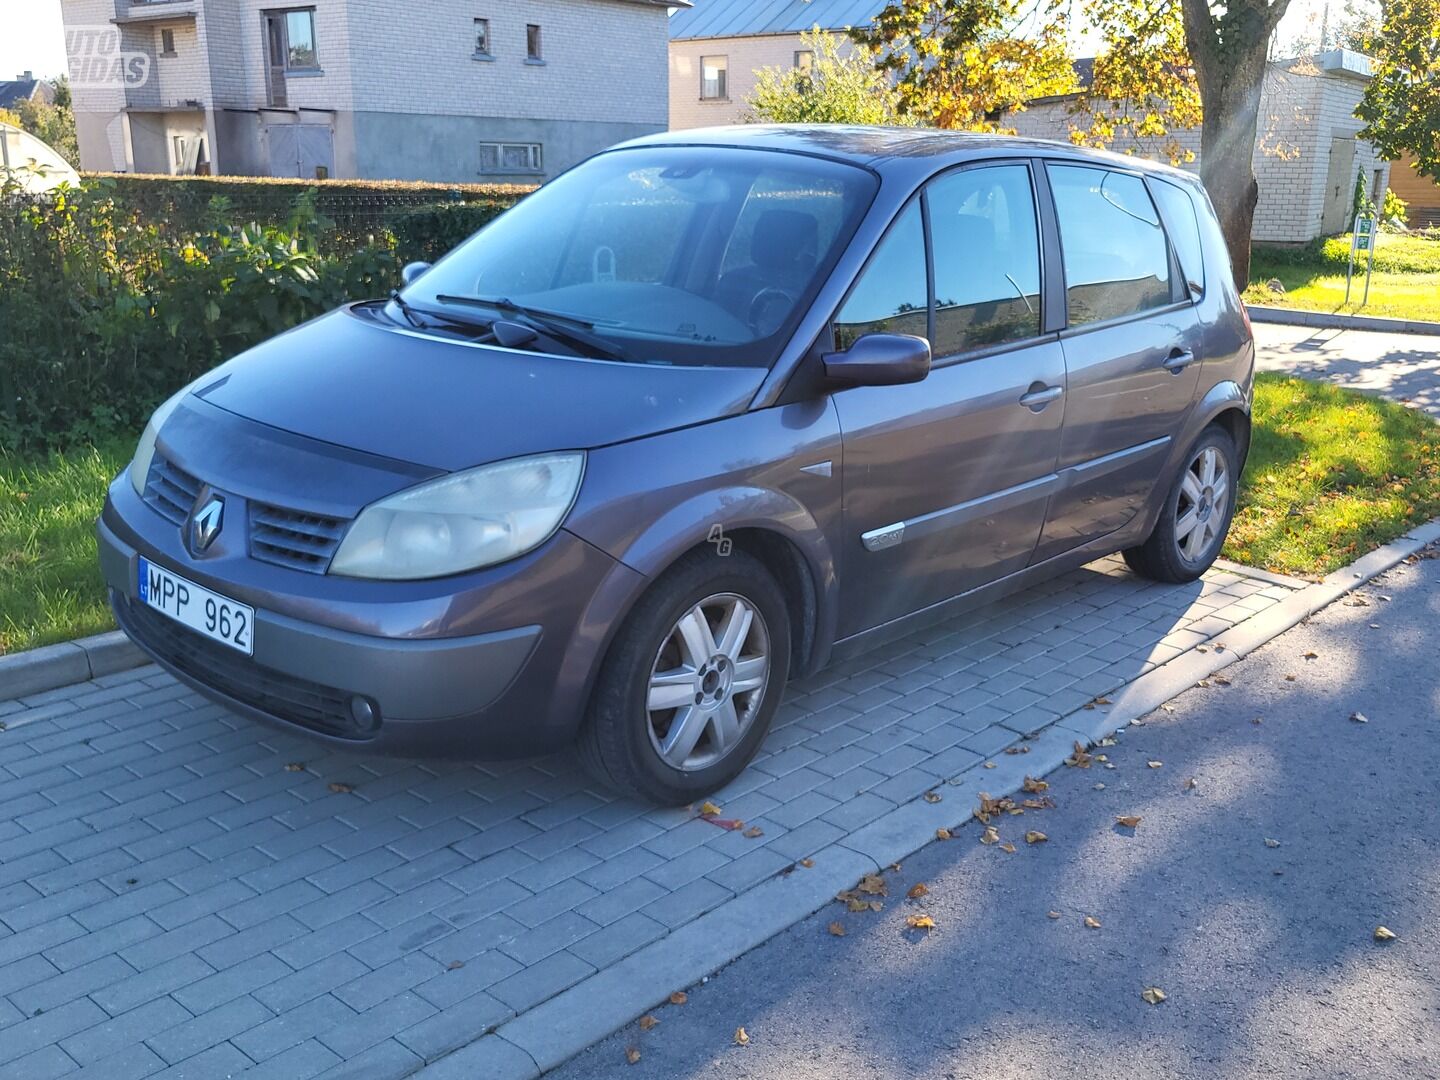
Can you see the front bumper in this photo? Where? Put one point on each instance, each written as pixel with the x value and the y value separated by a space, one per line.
pixel 514 688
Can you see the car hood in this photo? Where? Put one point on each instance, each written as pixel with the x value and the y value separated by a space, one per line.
pixel 348 380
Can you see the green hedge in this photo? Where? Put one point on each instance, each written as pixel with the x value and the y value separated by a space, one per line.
pixel 431 231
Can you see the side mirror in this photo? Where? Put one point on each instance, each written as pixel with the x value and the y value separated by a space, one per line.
pixel 413 270
pixel 880 360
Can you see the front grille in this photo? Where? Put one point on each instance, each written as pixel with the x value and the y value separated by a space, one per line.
pixel 292 538
pixel 170 491
pixel 299 701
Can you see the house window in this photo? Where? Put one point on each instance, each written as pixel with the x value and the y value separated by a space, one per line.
pixel 532 42
pixel 167 42
pixel 712 78
pixel 300 53
pixel 482 37
pixel 499 157
pixel 805 60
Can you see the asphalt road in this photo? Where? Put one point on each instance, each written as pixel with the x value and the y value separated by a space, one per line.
pixel 1251 899
pixel 1404 367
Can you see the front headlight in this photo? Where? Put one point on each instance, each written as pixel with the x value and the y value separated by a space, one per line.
pixel 462 521
pixel 145 452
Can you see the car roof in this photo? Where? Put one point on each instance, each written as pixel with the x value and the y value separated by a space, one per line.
pixel 892 149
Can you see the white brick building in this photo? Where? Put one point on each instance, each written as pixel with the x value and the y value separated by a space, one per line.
pixel 1307 155
pixel 717 46
pixel 446 90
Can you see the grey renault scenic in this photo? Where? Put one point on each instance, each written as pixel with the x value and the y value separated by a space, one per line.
pixel 706 412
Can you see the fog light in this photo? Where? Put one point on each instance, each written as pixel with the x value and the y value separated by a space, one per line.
pixel 365 715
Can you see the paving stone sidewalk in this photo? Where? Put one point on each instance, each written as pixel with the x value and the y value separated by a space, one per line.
pixel 186 893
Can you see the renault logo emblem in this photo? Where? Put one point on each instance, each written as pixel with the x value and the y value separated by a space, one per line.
pixel 205 523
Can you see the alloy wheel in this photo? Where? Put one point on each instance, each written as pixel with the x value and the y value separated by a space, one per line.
pixel 1204 500
pixel 707 682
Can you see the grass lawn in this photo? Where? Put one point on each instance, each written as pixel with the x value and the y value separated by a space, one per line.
pixel 50 588
pixel 1332 474
pixel 1405 284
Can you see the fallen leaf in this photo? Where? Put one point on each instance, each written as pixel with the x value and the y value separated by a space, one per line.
pixel 1052 914
pixel 989 764
pixel 1167 707
pixel 1039 804
pixel 1008 848
pixel 932 796
pixel 1100 786
pixel 647 1022
pixel 632 1054
pixel 709 809
pixel 1359 718
pixel 920 922
pixel 1311 655
pixel 679 997
pixel 990 836
pixel 857 904
pixel 1103 701
pixel 1153 994
pixel 1035 787
pixel 1289 678
pixel 1155 764
pixel 1035 836
pixel 341 788
pixel 837 929
pixel 917 890
pixel 1219 680
pixel 1092 922
pixel 754 832
pixel 1271 843
pixel 1130 821
pixel 877 905
pixel 1017 749
pixel 295 766
pixel 1109 740
pixel 455 965
pixel 942 834
pixel 1191 784
pixel 1258 720
pixel 1384 933
pixel 807 863
pixel 742 1037
pixel 1080 759
pixel 873 884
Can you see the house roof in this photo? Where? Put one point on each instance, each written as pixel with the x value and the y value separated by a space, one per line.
pixel 16 90
pixel 747 18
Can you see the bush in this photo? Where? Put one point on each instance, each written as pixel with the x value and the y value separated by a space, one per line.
pixel 1396 253
pixel 104 312
pixel 428 233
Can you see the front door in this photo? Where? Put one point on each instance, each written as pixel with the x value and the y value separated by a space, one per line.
pixel 946 480
pixel 1132 352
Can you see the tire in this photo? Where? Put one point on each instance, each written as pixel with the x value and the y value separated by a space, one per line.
pixel 675 755
pixel 1174 553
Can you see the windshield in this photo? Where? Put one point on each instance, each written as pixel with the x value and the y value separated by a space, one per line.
pixel 682 255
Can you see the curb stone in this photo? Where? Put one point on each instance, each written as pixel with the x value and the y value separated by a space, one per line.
pixel 1264 313
pixel 51 666
pixel 556 1030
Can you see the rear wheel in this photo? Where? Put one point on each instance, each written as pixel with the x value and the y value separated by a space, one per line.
pixel 692 681
pixel 1196 516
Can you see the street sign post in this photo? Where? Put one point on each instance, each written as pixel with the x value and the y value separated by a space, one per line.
pixel 1362 239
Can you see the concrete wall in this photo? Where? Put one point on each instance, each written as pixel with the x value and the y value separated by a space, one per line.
pixel 745 56
pixel 1304 106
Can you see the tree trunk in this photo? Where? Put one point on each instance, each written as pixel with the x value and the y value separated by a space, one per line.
pixel 1227 148
pixel 1229 55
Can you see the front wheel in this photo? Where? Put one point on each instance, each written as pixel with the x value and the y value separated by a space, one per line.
pixel 692 681
pixel 1196 516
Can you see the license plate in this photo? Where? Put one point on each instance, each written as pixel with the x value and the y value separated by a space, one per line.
pixel 216 617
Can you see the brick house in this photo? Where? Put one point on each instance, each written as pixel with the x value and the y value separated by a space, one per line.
pixel 1307 153
pixel 25 87
pixel 442 90
pixel 716 47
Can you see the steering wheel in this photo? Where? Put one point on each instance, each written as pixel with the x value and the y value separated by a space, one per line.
pixel 761 304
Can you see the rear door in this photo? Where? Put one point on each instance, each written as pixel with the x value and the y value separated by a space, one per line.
pixel 1132 350
pixel 946 480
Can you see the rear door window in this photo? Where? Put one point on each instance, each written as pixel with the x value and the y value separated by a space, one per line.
pixel 1184 228
pixel 987 258
pixel 891 294
pixel 1116 259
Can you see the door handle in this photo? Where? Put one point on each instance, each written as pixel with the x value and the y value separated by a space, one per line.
pixel 1040 395
pixel 1178 360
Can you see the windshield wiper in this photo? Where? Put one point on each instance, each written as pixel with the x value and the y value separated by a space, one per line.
pixel 411 315
pixel 569 329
